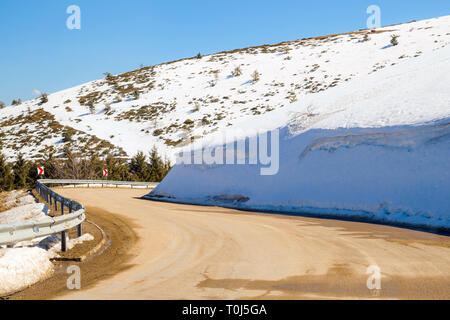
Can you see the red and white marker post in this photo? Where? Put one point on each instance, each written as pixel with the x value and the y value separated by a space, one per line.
pixel 40 171
pixel 105 172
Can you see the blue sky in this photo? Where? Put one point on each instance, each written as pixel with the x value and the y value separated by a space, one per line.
pixel 37 51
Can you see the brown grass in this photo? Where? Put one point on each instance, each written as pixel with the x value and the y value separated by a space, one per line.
pixel 3 196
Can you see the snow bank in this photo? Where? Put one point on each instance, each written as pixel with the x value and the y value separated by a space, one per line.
pixel 375 149
pixel 17 198
pixel 23 207
pixel 22 267
pixel 28 262
pixel 33 211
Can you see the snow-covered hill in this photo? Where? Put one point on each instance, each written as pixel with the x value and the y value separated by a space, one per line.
pixel 376 148
pixel 172 104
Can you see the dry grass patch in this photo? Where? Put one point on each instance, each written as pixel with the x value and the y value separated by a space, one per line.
pixel 3 196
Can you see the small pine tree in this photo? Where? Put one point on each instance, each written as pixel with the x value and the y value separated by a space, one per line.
pixel 2 105
pixel 20 172
pixel 156 166
pixel 139 167
pixel 44 98
pixel 6 176
pixel 93 168
pixel 51 165
pixel 199 55
pixel 118 168
pixel 108 75
pixel 394 39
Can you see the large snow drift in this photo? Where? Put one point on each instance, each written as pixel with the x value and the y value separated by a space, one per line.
pixel 375 149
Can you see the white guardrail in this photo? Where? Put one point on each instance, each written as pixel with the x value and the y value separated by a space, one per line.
pixel 16 232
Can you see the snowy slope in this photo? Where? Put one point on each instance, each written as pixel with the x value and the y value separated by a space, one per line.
pixel 190 99
pixel 376 149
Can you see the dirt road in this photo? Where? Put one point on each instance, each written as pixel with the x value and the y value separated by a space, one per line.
pixel 190 252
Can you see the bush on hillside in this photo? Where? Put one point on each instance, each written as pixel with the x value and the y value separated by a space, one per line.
pixel 255 76
pixel 43 98
pixel 394 39
pixel 236 72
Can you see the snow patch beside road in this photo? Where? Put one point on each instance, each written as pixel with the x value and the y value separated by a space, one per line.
pixel 28 262
pixel 22 267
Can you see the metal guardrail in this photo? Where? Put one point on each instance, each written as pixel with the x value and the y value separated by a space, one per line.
pixel 22 231
pixel 102 183
pixel 14 233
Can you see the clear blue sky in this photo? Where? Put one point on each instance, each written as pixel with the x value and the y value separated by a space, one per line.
pixel 37 50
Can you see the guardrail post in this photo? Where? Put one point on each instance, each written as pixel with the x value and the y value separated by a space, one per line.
pixel 63 242
pixel 56 204
pixel 79 230
pixel 63 234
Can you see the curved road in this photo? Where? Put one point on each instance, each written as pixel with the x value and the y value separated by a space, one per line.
pixel 192 252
